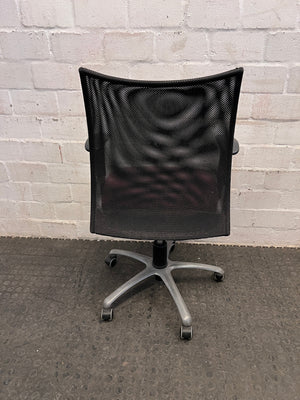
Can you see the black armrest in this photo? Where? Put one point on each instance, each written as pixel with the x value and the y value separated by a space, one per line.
pixel 87 145
pixel 235 147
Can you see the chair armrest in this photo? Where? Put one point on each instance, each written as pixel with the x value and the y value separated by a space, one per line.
pixel 235 147
pixel 87 145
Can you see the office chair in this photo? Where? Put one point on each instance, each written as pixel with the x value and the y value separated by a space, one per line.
pixel 160 158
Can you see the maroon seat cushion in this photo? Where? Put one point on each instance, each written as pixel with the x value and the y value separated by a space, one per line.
pixel 157 189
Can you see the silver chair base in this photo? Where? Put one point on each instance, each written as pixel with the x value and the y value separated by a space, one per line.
pixel 166 275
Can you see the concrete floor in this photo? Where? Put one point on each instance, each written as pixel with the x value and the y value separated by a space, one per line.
pixel 246 329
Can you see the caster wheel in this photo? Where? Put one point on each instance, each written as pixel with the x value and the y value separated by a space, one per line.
pixel 111 260
pixel 172 248
pixel 218 277
pixel 186 332
pixel 107 314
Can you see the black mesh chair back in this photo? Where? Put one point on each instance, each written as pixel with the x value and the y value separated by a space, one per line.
pixel 161 155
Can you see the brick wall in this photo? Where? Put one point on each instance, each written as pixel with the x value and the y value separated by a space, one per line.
pixel 44 171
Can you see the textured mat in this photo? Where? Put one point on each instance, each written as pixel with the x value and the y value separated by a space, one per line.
pixel 246 329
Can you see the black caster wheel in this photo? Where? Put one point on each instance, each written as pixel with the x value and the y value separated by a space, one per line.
pixel 172 248
pixel 186 332
pixel 218 277
pixel 111 260
pixel 107 314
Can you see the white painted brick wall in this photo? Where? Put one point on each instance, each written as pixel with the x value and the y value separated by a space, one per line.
pixel 77 47
pixel 160 13
pixel 283 46
pixel 294 80
pixel 10 17
pixel 155 71
pixel 237 46
pixel 70 103
pixel 27 172
pixel 288 133
pixel 3 173
pixel 128 46
pixel 5 103
pixel 269 14
pixel 179 46
pixel 276 106
pixel 222 14
pixel 28 102
pixel 44 170
pixel 66 76
pixel 17 127
pixel 264 79
pixel 14 75
pixel 36 151
pixel 24 45
pixel 47 14
pixel 97 13
pixel 54 193
pixel 64 128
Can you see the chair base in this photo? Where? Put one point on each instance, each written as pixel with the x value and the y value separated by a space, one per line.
pixel 165 274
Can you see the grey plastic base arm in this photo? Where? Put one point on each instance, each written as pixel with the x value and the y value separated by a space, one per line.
pixel 164 274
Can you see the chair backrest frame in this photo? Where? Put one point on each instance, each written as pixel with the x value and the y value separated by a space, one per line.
pixel 93 86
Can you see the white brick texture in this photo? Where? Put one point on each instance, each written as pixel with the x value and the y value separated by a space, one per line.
pixel 17 127
pixel 24 45
pixel 276 106
pixel 157 71
pixel 70 103
pixel 264 79
pixel 269 14
pixel 158 13
pixel 10 150
pixel 47 14
pixel 294 80
pixel 288 133
pixel 283 46
pixel 72 152
pixel 75 47
pixel 14 75
pixel 237 46
pixel 222 14
pixel 27 102
pixel 66 76
pixel 41 151
pixel 177 46
pixel 128 46
pixel 51 193
pixel 10 17
pixel 34 209
pixel 5 103
pixel 68 173
pixel 100 14
pixel 27 172
pixel 3 173
pixel 64 128
pixel 268 157
pixel 44 169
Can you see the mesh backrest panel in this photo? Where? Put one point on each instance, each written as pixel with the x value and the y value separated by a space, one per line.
pixel 160 155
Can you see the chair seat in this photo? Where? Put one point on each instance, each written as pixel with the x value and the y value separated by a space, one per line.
pixel 152 188
pixel 151 225
pixel 150 204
